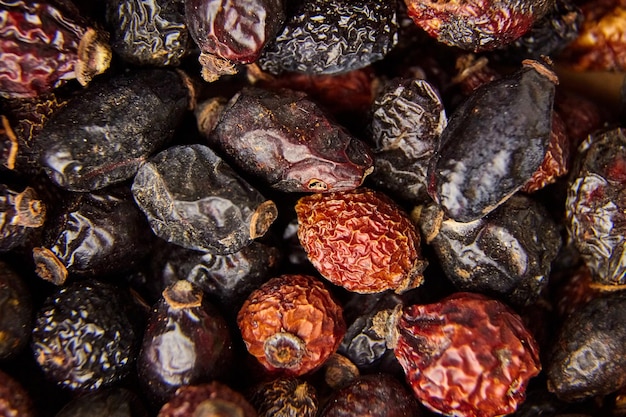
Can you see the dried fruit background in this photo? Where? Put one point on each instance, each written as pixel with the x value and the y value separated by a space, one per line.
pixel 312 208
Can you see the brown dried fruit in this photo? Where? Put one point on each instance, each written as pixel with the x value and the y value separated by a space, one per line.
pixel 285 397
pixel 291 324
pixel 360 240
pixel 467 355
pixel 214 399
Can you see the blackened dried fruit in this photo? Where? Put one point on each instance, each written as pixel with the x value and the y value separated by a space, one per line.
pixel 186 341
pixel 595 205
pixel 332 36
pixel 285 139
pixel 16 312
pixel 375 395
pixel 477 25
pixel 107 402
pixel 407 120
pixel 466 355
pixel 94 234
pixel 231 32
pixel 285 397
pixel 46 43
pixel 104 134
pixel 192 198
pixel 14 399
pixel 214 399
pixel 493 143
pixel 84 337
pixel 506 254
pixel 588 358
pixel 21 212
pixel 150 32
pixel 360 240
pixel 291 324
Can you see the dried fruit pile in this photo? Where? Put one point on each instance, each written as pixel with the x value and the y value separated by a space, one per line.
pixel 386 208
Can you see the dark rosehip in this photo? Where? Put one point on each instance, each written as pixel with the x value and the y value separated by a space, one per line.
pixel 231 32
pixel 360 240
pixel 466 355
pixel 493 143
pixel 192 198
pixel 285 397
pixel 288 141
pixel 213 399
pixel 596 203
pixel 107 402
pixel 16 312
pixel 14 399
pixel 46 43
pixel 588 357
pixel 186 341
pixel 291 324
pixel 332 36
pixel 84 337
pixel 477 25
pixel 21 212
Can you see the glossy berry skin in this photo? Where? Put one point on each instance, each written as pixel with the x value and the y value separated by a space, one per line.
pixel 291 324
pixel 595 205
pixel 466 355
pixel 213 399
pixel 360 240
pixel 84 337
pixel 477 25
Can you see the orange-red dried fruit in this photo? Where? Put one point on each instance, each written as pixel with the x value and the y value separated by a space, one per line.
pixel 361 240
pixel 291 324
pixel 466 356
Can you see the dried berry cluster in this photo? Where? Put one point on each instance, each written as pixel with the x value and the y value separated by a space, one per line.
pixel 255 208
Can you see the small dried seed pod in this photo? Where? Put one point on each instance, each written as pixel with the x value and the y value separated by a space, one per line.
pixel 466 355
pixel 285 397
pixel 360 240
pixel 207 400
pixel 291 324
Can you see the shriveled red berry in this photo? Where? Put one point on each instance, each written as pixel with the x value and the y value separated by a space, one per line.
pixel 291 324
pixel 360 240
pixel 214 399
pixel 466 355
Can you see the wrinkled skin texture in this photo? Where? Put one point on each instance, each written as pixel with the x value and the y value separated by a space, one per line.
pixel 21 213
pixel 285 397
pixel 466 355
pixel 216 398
pixel 589 355
pixel 595 206
pixel 360 240
pixel 477 25
pixel 299 305
pixel 288 141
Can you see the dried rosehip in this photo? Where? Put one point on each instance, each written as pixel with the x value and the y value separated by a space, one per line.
pixel 493 143
pixel 596 204
pixel 108 402
pixel 589 357
pixel 14 399
pixel 466 355
pixel 94 234
pixel 287 141
pixel 207 400
pixel 104 134
pixel 285 397
pixel 21 212
pixel 506 254
pixel 186 341
pixel 375 395
pixel 84 337
pixel 477 25
pixel 407 119
pixel 192 198
pixel 46 43
pixel 16 312
pixel 291 324
pixel 231 32
pixel 332 36
pixel 360 240
pixel 149 32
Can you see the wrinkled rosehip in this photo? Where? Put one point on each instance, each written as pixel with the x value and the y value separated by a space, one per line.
pixel 477 25
pixel 21 213
pixel 466 355
pixel 360 240
pixel 288 141
pixel 213 399
pixel 46 43
pixel 291 324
